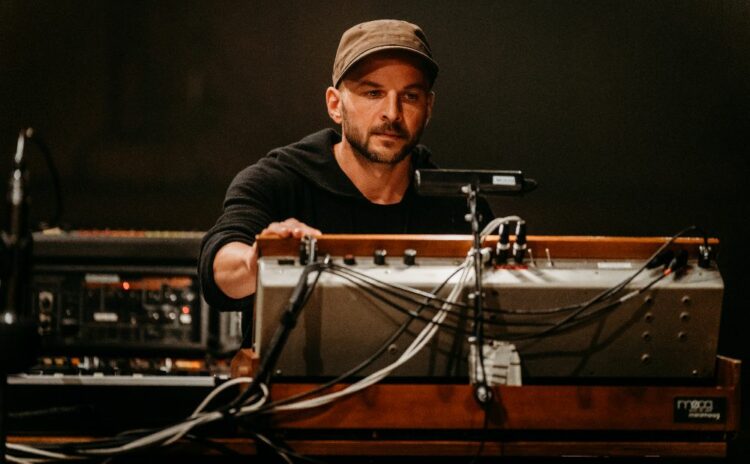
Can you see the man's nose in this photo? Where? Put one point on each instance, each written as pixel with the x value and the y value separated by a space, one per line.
pixel 392 109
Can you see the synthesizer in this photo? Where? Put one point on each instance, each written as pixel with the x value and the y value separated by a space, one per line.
pixel 667 331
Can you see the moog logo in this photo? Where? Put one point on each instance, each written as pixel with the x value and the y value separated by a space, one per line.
pixel 696 406
pixel 699 409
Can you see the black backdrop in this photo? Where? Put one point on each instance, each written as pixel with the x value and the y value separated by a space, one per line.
pixel 632 115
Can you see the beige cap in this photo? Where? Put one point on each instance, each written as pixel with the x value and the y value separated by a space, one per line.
pixel 374 36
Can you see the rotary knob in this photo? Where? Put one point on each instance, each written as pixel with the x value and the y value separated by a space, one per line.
pixel 410 257
pixel 379 257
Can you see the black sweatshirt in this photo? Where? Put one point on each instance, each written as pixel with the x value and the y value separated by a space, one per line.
pixel 304 181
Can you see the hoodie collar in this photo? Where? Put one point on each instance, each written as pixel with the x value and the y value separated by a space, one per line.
pixel 312 158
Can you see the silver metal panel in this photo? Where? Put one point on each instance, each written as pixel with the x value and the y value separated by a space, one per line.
pixel 669 331
pixel 115 380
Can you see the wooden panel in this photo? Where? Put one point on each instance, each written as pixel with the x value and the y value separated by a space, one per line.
pixel 517 408
pixel 571 410
pixel 396 447
pixel 566 407
pixel 560 247
pixel 494 448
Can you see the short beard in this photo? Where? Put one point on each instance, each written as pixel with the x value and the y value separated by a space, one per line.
pixel 359 142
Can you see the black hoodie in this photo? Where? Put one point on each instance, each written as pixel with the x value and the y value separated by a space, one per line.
pixel 304 181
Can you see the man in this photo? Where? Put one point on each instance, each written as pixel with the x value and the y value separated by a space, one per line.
pixel 356 182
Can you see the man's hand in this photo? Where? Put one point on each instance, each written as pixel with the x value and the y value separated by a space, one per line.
pixel 236 263
pixel 290 227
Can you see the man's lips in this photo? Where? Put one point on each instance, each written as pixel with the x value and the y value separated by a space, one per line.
pixel 391 135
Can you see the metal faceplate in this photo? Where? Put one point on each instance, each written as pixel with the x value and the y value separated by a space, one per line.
pixel 670 331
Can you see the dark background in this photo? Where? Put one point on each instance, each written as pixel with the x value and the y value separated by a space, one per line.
pixel 634 116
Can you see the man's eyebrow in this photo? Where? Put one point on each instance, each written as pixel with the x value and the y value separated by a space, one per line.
pixel 366 83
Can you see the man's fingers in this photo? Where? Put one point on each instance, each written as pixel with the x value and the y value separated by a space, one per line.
pixel 276 228
pixel 289 227
pixel 299 232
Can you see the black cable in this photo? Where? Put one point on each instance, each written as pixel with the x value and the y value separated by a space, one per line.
pixel 483 436
pixel 415 314
pixel 364 364
pixel 613 290
pixel 608 307
pixel 412 313
pixel 392 289
pixel 300 295
pixel 395 291
pixel 600 311
pixel 573 317
pixel 212 444
pixel 44 149
pixel 454 328
pixel 607 293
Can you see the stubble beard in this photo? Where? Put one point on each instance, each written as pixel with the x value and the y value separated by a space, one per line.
pixel 361 142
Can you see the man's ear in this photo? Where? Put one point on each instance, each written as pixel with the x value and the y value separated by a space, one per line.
pixel 333 103
pixel 430 103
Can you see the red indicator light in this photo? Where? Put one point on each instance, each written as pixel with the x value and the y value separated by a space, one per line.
pixel 186 310
pixel 126 285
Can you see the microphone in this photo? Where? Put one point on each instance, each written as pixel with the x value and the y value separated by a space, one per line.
pixel 19 338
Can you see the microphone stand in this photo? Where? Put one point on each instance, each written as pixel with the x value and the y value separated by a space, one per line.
pixel 19 336
pixel 482 392
pixel 466 182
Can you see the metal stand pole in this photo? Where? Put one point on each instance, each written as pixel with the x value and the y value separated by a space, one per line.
pixel 482 392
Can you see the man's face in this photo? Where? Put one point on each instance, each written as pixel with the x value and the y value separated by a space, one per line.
pixel 384 105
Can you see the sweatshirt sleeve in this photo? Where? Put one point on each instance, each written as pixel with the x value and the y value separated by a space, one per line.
pixel 249 206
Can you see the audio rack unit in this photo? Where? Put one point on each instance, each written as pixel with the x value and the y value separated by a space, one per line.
pixel 125 293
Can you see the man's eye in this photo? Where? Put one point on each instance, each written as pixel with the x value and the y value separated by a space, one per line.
pixel 411 96
pixel 373 93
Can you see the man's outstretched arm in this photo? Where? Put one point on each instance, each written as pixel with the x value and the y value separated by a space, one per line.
pixel 235 265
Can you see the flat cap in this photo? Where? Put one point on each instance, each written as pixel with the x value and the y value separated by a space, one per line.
pixel 367 38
